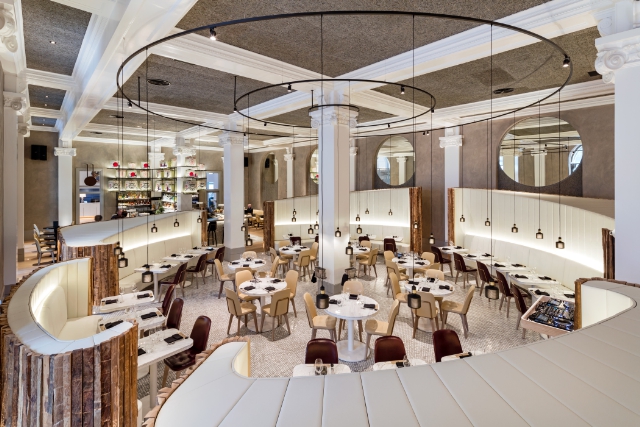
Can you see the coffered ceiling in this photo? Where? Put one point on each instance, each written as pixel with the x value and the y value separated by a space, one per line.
pixel 46 97
pixel 139 121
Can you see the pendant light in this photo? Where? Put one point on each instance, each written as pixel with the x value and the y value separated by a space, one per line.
pixel 359 229
pixel 293 143
pixel 390 211
pixel 462 216
pixel 293 219
pixel 199 220
pixel 310 230
pixel 432 239
pixel 176 223
pixel 413 299
pixel 366 212
pixel 117 250
pixel 349 249
pixel 415 225
pixel 249 241
pixel 243 227
pixel 357 217
pixel 154 229
pixel 322 299
pixel 514 229
pixel 487 223
pixel 147 276
pixel 559 243
pixel 539 234
pixel 316 226
pixel 462 178
pixel 123 261
pixel 338 232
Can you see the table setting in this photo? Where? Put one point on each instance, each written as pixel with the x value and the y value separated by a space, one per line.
pixel 396 238
pixel 462 355
pixel 147 318
pixel 309 370
pixel 351 308
pixel 453 249
pixel 116 303
pixel 156 268
pixel 262 287
pixel 201 250
pixel 292 249
pixel 438 288
pixel 410 261
pixel 252 263
pixel 397 364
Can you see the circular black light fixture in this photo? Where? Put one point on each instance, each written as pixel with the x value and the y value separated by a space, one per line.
pixel 123 261
pixel 413 299
pixel 514 229
pixel 158 82
pixel 338 232
pixel 357 217
pixel 147 276
pixel 503 90
pixel 487 223
pixel 401 90
pixel 116 116
pixel 560 243
pixel 432 240
pixel 212 34
pixel 539 234
pixel 359 230
pixel 349 249
pixel 117 250
pixel 322 299
pixel 176 223
pixel 310 230
pixel 316 226
pixel 566 61
pixel 154 229
pixel 462 218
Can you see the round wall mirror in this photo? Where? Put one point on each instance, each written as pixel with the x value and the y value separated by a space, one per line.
pixel 270 169
pixel 540 152
pixel 394 161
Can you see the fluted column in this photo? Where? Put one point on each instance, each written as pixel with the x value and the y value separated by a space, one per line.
pixel 289 158
pixel 618 61
pixel 451 142
pixel 233 170
pixel 353 152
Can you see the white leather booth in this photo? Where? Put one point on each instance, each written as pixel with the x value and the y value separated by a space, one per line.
pixel 51 311
pixel 587 377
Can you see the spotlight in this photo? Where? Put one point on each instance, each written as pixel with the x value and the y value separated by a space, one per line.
pixel 462 218
pixel 176 223
pixel 212 34
pixel 432 240
pixel 289 89
pixel 147 276
pixel 338 232
pixel 359 230
pixel 566 61
pixel 487 223
pixel 560 243
pixel 401 90
pixel 154 229
pixel 539 234
pixel 514 229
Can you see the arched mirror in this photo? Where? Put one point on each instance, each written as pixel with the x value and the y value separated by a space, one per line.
pixel 540 152
pixel 270 169
pixel 394 161
pixel 314 167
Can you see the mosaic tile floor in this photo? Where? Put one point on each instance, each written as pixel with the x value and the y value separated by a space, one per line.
pixel 489 329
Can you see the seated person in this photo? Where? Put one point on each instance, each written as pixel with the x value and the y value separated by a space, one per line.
pixel 248 210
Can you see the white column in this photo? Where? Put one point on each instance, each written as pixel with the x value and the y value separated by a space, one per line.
pixel 289 158
pixel 618 61
pixel 13 103
pixel 65 155
pixel 402 169
pixel 22 130
pixel 353 152
pixel 233 144
pixel 451 142
pixel 333 125
pixel 539 168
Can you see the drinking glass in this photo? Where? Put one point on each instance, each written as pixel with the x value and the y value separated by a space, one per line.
pixel 121 300
pixel 405 361
pixel 268 275
pixel 318 366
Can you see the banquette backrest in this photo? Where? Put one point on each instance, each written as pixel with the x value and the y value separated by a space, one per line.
pixel 564 269
pixel 138 256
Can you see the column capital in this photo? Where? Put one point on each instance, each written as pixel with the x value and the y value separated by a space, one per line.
pixel 64 151
pixel 353 151
pixel 333 116
pixel 451 141
pixel 8 28
pixel 15 101
pixel 616 50
pixel 23 129
pixel 289 157
pixel 401 159
pixel 231 138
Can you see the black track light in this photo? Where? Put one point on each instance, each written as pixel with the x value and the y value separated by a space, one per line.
pixel 566 61
pixel 338 232
pixel 560 243
pixel 539 234
pixel 401 90
pixel 212 34
pixel 154 229
pixel 289 88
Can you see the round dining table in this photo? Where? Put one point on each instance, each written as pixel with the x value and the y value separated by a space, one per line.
pixel 434 289
pixel 263 287
pixel 410 263
pixel 252 263
pixel 293 250
pixel 351 311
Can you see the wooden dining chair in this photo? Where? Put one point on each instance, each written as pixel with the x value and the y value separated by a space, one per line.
pixel 176 279
pixel 352 287
pixel 166 302
pixel 292 284
pixel 428 310
pixel 313 255
pixel 392 267
pixel 240 277
pixel 388 349
pixel 304 259
pixel 461 267
pixel 278 261
pixel 249 254
pixel 396 291
pixel 485 276
pixel 379 328
pixel 187 358
pixel 223 277
pixel 441 259
pixel 389 245
pixel 431 258
pixel 199 269
pixel 368 262
pixel 505 290
pixel 174 316
pixel 520 305
pixel 295 240
pixel 278 308
pixel 319 322
pixel 219 255
pixel 321 348
pixel 446 343
pixel 239 309
pixel 462 309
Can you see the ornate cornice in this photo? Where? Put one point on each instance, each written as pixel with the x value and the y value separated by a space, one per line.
pixel 231 138
pixel 333 116
pixel 15 101
pixel 617 51
pixel 8 29
pixel 64 151
pixel 451 141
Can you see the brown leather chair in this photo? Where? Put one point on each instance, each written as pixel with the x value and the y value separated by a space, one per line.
pixel 503 285
pixel 321 348
pixel 389 245
pixel 461 267
pixel 175 314
pixel 183 360
pixel 176 279
pixel 166 302
pixel 200 268
pixel 485 276
pixel 520 304
pixel 442 260
pixel 388 349
pixel 446 343
pixel 295 240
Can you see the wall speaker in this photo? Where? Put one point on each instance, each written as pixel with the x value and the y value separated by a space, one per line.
pixel 38 152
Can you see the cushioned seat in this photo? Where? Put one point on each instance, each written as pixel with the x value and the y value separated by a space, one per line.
pixel 375 327
pixel 324 322
pixel 79 327
pixel 181 361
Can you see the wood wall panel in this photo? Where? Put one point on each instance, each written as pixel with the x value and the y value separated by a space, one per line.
pixel 451 216
pixel 609 254
pixel 268 225
pixel 415 212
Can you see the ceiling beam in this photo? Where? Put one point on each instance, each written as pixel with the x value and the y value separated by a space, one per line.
pixel 48 79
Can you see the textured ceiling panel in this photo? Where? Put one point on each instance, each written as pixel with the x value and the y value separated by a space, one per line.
pixel 133 120
pixel 45 97
pixel 195 87
pixel 301 117
pixel 350 42
pixel 530 68
pixel 43 121
pixel 44 21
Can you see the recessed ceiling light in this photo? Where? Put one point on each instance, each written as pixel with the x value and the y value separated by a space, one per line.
pixel 52 41
pixel 46 96
pixel 116 116
pixel 158 82
pixel 503 90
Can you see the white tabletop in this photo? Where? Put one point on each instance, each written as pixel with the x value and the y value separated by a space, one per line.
pixel 434 287
pixel 128 300
pixel 371 236
pixel 155 268
pixel 202 250
pixel 552 293
pixel 361 250
pixel 409 262
pixel 396 238
pixel 510 266
pixel 309 370
pixel 143 324
pixel 457 356
pixel 350 310
pixel 161 350
pixel 533 279
pixel 262 283
pixel 382 366
pixel 453 249
pixel 255 263
pixel 478 256
pixel 292 250
pixel 181 258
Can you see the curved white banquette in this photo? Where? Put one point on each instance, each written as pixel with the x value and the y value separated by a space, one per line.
pixel 587 377
pixel 51 311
